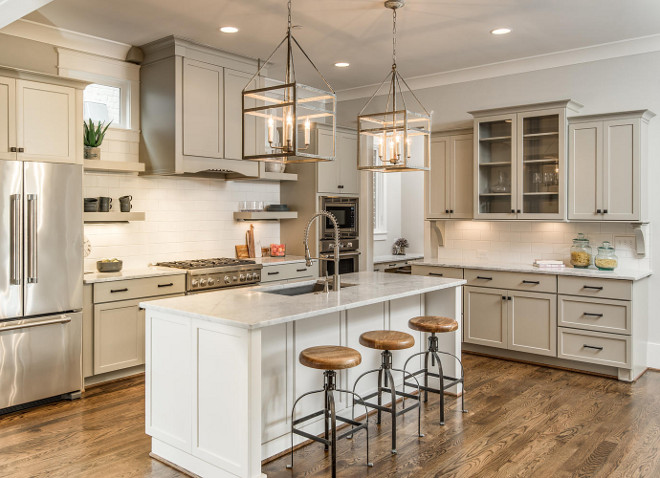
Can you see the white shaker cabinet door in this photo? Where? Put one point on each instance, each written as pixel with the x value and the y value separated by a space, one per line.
pixel 585 176
pixel 621 170
pixel 438 178
pixel 328 171
pixel 485 315
pixel 461 204
pixel 235 81
pixel 46 123
pixel 532 326
pixel 7 118
pixel 118 336
pixel 349 176
pixel 203 109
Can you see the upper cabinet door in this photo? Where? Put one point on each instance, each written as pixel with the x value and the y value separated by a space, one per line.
pixel 349 176
pixel 541 149
pixel 495 164
pixel 461 199
pixel 621 170
pixel 327 171
pixel 437 179
pixel 235 81
pixel 46 122
pixel 203 109
pixel 585 161
pixel 7 118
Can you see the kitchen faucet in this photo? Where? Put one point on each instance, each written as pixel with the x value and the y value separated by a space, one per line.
pixel 308 258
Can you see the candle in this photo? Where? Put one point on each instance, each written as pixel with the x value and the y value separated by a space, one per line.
pixel 409 143
pixel 271 129
pixel 392 153
pixel 289 128
pixel 381 147
pixel 307 132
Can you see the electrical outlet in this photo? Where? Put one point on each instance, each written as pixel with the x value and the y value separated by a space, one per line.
pixel 625 242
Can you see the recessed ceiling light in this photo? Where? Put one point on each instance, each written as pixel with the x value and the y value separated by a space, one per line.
pixel 228 29
pixel 342 64
pixel 501 31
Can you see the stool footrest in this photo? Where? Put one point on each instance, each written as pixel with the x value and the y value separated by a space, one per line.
pixel 356 426
pixel 449 382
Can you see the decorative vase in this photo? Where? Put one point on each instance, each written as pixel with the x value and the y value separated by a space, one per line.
pixel 92 152
pixel 398 250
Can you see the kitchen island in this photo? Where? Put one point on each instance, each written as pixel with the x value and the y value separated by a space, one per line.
pixel 222 368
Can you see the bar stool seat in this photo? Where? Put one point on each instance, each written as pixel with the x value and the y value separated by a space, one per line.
pixel 433 324
pixel 330 357
pixel 387 340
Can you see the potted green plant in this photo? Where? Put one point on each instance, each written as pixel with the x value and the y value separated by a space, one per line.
pixel 400 245
pixel 93 137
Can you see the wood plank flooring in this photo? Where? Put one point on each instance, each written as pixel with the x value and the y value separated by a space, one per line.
pixel 523 421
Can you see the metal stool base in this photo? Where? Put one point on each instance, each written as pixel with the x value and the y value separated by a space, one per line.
pixel 330 418
pixel 446 381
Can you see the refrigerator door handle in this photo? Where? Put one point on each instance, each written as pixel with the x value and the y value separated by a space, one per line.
pixel 62 320
pixel 16 240
pixel 32 259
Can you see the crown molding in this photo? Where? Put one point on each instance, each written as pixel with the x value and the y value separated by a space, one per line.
pixel 630 47
pixel 12 10
pixel 63 38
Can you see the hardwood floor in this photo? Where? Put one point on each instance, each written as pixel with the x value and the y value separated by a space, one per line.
pixel 523 421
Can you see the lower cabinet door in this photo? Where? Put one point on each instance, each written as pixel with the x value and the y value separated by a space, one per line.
pixel 485 315
pixel 532 322
pixel 118 336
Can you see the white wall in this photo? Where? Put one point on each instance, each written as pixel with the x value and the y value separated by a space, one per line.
pixel 617 84
pixel 392 183
pixel 186 218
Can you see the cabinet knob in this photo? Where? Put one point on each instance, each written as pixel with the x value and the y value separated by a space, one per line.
pixel 446 211
pixel 341 186
pixel 598 211
pixel 12 149
pixel 21 150
pixel 604 211
pixel 451 211
pixel 513 211
pixel 519 211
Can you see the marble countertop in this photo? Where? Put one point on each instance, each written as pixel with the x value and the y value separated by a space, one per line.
pixel 255 307
pixel 271 261
pixel 93 277
pixel 393 258
pixel 622 274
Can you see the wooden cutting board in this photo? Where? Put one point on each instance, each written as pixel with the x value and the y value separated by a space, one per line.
pixel 242 252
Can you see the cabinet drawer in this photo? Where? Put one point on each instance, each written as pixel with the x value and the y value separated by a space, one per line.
pixel 511 280
pixel 448 272
pixel 600 315
pixel 136 288
pixel 594 347
pixel 586 286
pixel 296 270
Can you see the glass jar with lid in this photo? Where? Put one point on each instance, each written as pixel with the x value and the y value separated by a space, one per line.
pixel 606 260
pixel 581 252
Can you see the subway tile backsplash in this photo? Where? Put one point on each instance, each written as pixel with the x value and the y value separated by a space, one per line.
pixel 523 242
pixel 186 218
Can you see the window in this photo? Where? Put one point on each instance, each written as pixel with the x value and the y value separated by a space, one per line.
pixel 380 213
pixel 102 103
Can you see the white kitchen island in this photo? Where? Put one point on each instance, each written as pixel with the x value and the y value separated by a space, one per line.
pixel 222 367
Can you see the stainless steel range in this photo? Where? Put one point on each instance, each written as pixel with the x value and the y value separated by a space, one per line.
pixel 219 273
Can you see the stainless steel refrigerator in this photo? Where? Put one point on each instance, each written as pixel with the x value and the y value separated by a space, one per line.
pixel 41 281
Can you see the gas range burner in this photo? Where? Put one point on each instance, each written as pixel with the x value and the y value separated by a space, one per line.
pixel 206 263
pixel 217 273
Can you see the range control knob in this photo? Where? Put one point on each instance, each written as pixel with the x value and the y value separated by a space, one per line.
pixel 256 276
pixel 202 282
pixel 242 278
pixel 234 278
pixel 211 281
pixel 248 276
pixel 227 280
pixel 195 282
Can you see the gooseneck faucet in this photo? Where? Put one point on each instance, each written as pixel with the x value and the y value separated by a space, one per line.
pixel 308 258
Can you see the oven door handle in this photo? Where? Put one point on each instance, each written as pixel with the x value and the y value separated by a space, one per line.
pixel 341 254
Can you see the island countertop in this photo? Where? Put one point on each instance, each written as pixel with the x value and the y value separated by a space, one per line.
pixel 255 307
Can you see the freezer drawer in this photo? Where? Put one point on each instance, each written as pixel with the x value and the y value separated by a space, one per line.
pixel 40 358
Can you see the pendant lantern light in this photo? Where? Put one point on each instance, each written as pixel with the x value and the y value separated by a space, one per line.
pixel 279 115
pixel 394 137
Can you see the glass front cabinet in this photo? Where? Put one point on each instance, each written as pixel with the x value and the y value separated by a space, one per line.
pixel 520 161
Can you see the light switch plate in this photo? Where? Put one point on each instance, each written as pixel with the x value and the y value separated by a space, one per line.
pixel 625 242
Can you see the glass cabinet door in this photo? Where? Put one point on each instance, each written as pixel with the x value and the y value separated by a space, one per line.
pixel 496 180
pixel 541 153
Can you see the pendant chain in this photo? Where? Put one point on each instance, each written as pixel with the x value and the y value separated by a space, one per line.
pixel 394 38
pixel 289 19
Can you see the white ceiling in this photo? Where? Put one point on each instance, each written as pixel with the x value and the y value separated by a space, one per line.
pixel 434 35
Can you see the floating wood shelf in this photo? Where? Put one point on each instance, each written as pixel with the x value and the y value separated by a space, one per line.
pixel 265 215
pixel 113 166
pixel 113 216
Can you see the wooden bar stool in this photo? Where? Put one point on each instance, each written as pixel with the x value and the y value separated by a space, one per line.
pixel 436 325
pixel 330 358
pixel 387 340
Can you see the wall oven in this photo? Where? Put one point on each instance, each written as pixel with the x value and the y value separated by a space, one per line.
pixel 345 210
pixel 349 257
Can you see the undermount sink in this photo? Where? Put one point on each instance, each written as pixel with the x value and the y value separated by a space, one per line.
pixel 314 288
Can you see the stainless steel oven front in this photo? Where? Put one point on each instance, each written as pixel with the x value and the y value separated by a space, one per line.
pixel 349 257
pixel 345 210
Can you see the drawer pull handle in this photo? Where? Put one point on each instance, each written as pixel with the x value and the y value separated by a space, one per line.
pixel 301 270
pixel 166 285
pixel 592 347
pixel 273 273
pixel 113 291
pixel 592 287
pixel 484 278
pixel 392 265
pixel 536 282
pixel 591 314
pixel 437 274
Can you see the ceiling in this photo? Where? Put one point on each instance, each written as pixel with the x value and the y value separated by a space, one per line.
pixel 434 35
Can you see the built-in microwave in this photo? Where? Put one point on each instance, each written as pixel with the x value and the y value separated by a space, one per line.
pixel 345 210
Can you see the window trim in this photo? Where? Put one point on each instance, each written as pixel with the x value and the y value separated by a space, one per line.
pixel 380 205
